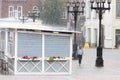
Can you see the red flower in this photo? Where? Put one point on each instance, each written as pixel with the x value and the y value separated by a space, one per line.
pixel 25 57
pixel 58 57
pixel 34 57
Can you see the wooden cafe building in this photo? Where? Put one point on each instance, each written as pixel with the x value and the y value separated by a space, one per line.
pixel 33 48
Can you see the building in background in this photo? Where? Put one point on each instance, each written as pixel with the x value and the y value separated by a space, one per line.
pixel 92 26
pixel 116 23
pixel 15 8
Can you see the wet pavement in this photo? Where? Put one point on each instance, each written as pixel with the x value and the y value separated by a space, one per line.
pixel 86 71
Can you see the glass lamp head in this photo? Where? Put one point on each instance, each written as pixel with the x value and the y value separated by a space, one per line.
pixel 98 1
pixel 77 4
pixel 103 1
pixel 83 4
pixel 92 1
pixel 68 4
pixel 109 1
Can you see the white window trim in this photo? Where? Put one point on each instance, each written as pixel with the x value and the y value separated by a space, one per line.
pixel 64 15
pixel 21 10
pixel 9 12
pixel 36 9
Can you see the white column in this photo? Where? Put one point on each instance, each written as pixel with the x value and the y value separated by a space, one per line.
pixel 15 60
pixel 6 43
pixel 71 48
pixel 108 29
pixel 92 36
pixel 43 53
pixel 86 35
pixel 94 14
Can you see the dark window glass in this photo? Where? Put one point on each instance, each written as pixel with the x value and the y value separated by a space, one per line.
pixel 117 8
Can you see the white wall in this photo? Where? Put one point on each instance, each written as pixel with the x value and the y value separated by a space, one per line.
pixel 108 29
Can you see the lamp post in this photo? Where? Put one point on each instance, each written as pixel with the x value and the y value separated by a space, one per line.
pixel 100 9
pixel 75 8
pixel 35 14
pixel 23 19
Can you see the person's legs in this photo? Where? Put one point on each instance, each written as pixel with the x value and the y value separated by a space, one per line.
pixel 80 59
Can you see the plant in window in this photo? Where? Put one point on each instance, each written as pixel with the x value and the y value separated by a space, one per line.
pixel 34 57
pixel 26 57
pixel 50 59
pixel 59 57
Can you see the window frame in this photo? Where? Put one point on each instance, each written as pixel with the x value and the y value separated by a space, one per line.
pixel 11 13
pixel 20 12
pixel 117 3
pixel 36 10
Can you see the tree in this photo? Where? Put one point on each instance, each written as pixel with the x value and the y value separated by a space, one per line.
pixel 51 11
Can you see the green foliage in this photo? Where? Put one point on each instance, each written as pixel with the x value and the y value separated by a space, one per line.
pixel 51 11
pixel 51 59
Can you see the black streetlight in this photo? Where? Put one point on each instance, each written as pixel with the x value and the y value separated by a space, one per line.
pixel 100 9
pixel 34 14
pixel 23 19
pixel 75 8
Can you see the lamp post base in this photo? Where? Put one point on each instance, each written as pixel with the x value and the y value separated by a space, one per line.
pixel 99 60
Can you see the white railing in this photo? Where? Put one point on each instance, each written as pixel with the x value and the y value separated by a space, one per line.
pixel 10 62
pixel 29 65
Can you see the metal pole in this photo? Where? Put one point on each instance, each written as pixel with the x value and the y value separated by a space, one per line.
pixel 99 60
pixel 75 38
pixel 34 17
pixel 75 12
pixel 100 9
pixel 23 19
pixel 75 19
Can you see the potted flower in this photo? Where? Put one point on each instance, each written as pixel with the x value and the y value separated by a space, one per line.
pixel 50 59
pixel 33 58
pixel 26 57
